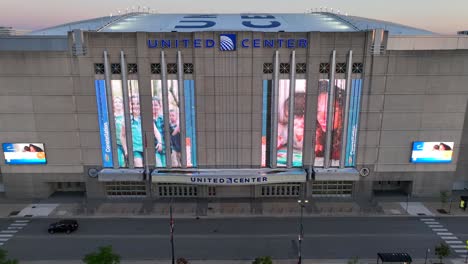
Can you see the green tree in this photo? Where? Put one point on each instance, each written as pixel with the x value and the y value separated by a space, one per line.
pixel 4 260
pixel 354 260
pixel 444 196
pixel 181 261
pixel 263 260
pixel 103 256
pixel 442 251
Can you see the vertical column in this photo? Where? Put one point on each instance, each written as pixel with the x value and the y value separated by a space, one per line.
pixel 330 112
pixel 274 113
pixel 292 94
pixel 110 105
pixel 165 97
pixel 346 109
pixel 183 153
pixel 128 125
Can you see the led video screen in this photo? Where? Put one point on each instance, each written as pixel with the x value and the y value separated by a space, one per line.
pixel 432 152
pixel 24 153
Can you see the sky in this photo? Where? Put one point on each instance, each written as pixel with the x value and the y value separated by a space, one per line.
pixel 441 16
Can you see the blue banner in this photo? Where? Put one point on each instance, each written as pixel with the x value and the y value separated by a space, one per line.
pixel 266 84
pixel 190 124
pixel 353 123
pixel 104 128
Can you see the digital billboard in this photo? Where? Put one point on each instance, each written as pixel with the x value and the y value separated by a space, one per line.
pixel 24 153
pixel 432 152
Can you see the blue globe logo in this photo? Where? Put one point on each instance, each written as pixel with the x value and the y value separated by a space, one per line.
pixel 227 42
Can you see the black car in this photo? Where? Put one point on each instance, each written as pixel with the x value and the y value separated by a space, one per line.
pixel 66 226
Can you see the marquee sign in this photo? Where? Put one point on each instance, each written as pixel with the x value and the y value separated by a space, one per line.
pixel 227 42
pixel 229 177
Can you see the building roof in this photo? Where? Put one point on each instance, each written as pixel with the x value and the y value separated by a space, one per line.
pixel 299 22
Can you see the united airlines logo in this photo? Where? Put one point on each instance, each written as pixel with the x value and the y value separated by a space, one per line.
pixel 227 42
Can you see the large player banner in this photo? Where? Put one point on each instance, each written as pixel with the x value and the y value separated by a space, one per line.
pixel 353 123
pixel 104 128
pixel 337 125
pixel 298 121
pixel 135 123
pixel 119 120
pixel 158 123
pixel 174 123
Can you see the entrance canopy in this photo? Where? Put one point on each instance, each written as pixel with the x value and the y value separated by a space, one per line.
pixel 394 258
pixel 229 176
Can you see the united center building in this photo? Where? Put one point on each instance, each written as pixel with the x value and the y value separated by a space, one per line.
pixel 267 105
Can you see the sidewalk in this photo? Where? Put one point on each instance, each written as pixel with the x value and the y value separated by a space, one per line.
pixel 133 208
pixel 289 261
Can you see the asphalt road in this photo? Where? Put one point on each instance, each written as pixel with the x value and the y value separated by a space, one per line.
pixel 239 238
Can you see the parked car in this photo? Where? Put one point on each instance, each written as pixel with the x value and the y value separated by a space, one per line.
pixel 66 226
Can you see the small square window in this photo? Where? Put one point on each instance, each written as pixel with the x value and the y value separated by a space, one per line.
pixel 357 67
pixel 115 68
pixel 267 68
pixel 171 68
pixel 98 68
pixel 324 67
pixel 340 68
pixel 285 68
pixel 301 67
pixel 132 68
pixel 188 68
pixel 155 68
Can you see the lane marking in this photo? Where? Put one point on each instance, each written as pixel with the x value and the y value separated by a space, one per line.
pixel 461 251
pixel 454 242
pixel 436 226
pixel 1 244
pixel 21 221
pixel 4 239
pixel 439 229
pixel 18 224
pixel 458 246
pixel 15 227
pixel 449 237
pixel 432 223
pixel 5 235
pixel 427 219
pixel 9 231
pixel 444 234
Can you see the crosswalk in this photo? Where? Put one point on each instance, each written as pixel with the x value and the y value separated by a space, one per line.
pixel 11 230
pixel 454 242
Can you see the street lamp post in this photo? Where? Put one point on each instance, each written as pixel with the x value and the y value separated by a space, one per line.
pixel 302 204
pixel 427 252
pixel 172 232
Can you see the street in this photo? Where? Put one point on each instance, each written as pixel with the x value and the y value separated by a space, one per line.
pixel 234 238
